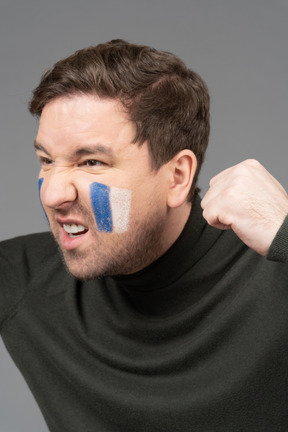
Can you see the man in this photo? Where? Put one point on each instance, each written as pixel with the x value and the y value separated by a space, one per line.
pixel 147 318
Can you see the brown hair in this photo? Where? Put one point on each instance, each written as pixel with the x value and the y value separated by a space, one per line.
pixel 168 102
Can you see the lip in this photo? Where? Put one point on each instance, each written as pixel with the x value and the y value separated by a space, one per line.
pixel 69 243
pixel 65 241
pixel 69 221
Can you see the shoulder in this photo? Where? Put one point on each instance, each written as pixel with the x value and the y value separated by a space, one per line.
pixel 25 256
pixel 33 247
pixel 24 260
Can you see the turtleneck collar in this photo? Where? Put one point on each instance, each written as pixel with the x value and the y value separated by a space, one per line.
pixel 180 257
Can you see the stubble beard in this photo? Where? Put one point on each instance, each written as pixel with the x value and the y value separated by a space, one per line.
pixel 116 254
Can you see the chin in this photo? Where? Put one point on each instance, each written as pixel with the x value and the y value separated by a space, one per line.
pixel 77 267
pixel 86 270
pixel 80 273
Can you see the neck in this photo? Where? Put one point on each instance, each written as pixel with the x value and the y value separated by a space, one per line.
pixel 165 236
pixel 172 282
pixel 176 221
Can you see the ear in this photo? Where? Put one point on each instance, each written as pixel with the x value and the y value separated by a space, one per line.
pixel 182 170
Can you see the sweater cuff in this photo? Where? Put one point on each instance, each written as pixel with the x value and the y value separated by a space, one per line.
pixel 278 250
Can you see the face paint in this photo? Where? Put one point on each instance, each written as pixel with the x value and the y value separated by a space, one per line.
pixel 40 182
pixel 111 207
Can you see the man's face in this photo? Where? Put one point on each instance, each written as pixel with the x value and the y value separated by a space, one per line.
pixel 106 207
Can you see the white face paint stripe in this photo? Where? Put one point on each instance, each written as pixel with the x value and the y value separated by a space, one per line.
pixel 120 202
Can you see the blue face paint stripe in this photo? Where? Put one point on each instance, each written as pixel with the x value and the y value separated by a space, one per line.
pixel 100 199
pixel 40 182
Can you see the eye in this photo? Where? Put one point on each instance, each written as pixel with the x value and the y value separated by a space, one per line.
pixel 45 162
pixel 93 163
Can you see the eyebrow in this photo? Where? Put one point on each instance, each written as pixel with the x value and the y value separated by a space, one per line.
pixel 83 151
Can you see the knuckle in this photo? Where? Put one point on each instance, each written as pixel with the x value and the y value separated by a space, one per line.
pixel 230 192
pixel 206 215
pixel 252 163
pixel 245 168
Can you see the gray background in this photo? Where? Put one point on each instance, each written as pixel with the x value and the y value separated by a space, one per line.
pixel 238 47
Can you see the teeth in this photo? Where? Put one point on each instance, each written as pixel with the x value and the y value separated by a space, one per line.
pixel 73 228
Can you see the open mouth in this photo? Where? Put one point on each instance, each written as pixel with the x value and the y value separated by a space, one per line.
pixel 74 230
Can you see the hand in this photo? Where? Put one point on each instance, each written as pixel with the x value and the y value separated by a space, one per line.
pixel 248 200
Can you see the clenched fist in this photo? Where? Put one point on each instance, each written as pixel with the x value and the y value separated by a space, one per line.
pixel 248 200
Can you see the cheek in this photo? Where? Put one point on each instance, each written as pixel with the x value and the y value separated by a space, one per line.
pixel 111 207
pixel 40 182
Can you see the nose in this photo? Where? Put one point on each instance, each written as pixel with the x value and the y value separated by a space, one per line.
pixel 58 189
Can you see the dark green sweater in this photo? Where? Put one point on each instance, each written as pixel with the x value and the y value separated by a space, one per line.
pixel 198 341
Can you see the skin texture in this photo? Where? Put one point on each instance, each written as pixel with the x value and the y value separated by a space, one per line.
pixel 84 139
pixel 248 200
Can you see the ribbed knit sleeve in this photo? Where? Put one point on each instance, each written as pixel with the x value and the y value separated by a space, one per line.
pixel 10 289
pixel 279 248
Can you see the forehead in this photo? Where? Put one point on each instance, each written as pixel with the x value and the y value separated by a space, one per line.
pixel 84 119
